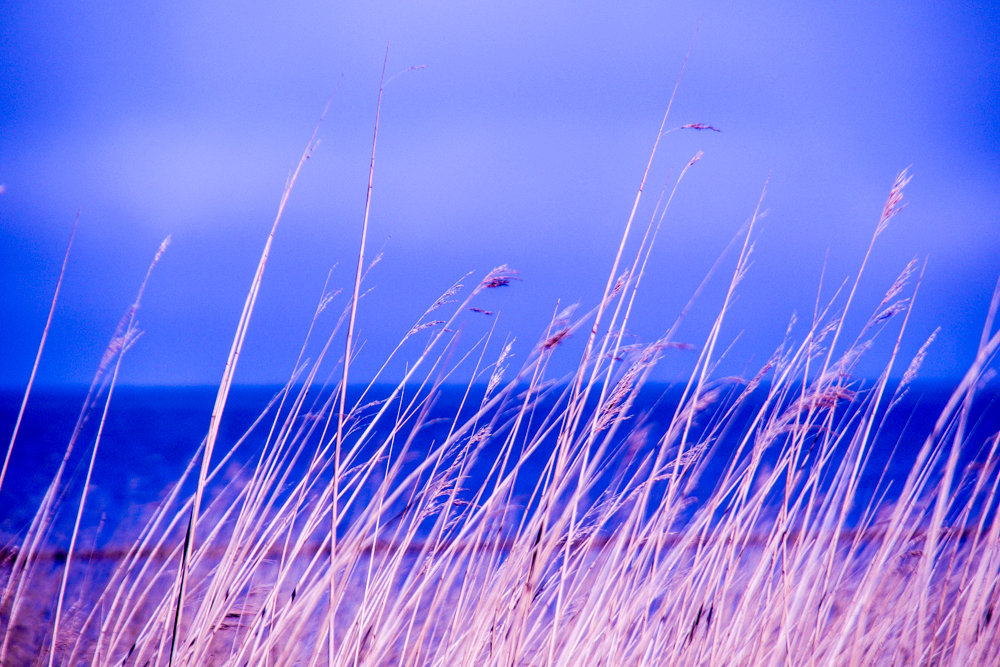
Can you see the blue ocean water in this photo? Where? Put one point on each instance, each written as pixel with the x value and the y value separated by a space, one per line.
pixel 151 434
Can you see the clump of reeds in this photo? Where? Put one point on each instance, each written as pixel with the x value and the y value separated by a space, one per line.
pixel 555 523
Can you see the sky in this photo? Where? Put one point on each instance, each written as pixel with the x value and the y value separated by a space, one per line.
pixel 522 141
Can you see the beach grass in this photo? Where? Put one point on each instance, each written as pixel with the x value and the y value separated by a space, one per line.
pixel 554 522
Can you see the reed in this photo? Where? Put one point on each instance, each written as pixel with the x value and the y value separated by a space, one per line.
pixel 556 522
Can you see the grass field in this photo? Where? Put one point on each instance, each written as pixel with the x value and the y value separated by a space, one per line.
pixel 349 539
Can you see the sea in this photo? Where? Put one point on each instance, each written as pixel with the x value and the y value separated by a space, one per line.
pixel 150 435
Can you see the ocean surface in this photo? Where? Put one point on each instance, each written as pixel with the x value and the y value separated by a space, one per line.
pixel 151 433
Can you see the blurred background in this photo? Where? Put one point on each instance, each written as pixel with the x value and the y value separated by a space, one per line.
pixel 523 141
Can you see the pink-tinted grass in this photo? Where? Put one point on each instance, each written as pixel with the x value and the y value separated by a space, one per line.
pixel 347 538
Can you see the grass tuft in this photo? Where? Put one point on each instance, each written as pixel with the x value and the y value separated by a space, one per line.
pixel 593 519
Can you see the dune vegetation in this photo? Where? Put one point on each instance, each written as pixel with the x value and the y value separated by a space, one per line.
pixel 553 522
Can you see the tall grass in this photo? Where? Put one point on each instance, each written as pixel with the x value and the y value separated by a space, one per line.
pixel 556 523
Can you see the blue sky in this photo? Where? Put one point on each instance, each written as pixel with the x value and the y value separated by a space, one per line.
pixel 522 142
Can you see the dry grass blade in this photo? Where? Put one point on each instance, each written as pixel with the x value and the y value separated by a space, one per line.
pixel 38 356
